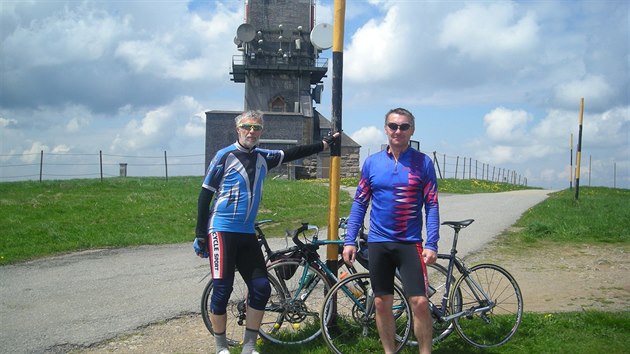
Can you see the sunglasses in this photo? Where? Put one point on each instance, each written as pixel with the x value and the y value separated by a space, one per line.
pixel 403 127
pixel 256 127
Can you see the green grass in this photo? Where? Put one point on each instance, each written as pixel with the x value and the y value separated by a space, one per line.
pixel 44 218
pixel 600 215
pixel 51 217
pixel 572 332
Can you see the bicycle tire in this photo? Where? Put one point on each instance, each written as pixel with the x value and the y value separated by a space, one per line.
pixel 235 325
pixel 436 274
pixel 354 319
pixel 292 312
pixel 493 327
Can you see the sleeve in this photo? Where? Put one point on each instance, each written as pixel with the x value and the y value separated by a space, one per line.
pixel 203 212
pixel 431 207
pixel 301 151
pixel 359 206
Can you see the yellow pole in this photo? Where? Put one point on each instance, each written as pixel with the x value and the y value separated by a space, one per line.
pixel 335 153
pixel 578 155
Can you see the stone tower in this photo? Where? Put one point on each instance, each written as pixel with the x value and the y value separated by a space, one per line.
pixel 279 66
pixel 282 72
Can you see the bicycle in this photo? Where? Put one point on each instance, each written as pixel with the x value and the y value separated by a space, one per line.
pixel 484 305
pixel 292 313
pixel 288 319
pixel 348 312
pixel 237 305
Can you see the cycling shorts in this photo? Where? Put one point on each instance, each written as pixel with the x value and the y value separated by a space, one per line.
pixel 386 257
pixel 230 251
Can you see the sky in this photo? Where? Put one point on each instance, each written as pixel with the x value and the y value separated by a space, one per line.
pixel 498 82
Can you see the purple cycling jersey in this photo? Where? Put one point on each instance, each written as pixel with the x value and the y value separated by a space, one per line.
pixel 398 190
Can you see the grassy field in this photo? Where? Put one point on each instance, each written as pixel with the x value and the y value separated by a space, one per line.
pixel 51 217
pixel 44 218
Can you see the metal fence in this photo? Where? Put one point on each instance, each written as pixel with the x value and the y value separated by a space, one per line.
pixel 466 168
pixel 43 166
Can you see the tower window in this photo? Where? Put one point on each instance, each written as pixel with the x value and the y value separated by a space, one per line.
pixel 278 105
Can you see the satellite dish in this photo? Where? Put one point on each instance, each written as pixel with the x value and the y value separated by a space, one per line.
pixel 245 32
pixel 322 36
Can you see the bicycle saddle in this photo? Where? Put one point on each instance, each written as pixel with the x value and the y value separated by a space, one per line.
pixel 458 224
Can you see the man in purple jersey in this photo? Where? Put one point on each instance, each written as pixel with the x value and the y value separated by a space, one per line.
pixel 398 182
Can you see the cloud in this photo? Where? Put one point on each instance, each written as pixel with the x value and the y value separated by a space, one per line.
pixel 376 44
pixel 504 125
pixel 370 138
pixel 489 31
pixel 158 127
pixel 593 88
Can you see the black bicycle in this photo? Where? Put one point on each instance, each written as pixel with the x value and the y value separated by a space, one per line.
pixel 484 305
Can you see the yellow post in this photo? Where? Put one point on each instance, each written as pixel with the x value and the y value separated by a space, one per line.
pixel 335 153
pixel 579 153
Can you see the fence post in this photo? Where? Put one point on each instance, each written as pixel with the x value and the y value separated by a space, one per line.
pixel 456 166
pixel 41 164
pixel 437 164
pixel 464 170
pixel 476 169
pixel 100 156
pixel 166 165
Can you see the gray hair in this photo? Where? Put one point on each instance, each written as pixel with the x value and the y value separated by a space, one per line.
pixel 249 114
pixel 402 112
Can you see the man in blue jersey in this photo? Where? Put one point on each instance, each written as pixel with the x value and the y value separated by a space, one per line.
pixel 225 228
pixel 398 182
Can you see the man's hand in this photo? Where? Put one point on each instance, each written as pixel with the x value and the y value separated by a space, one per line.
pixel 201 247
pixel 429 256
pixel 330 140
pixel 349 254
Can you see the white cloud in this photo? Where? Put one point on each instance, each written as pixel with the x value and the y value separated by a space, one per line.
pixel 33 153
pixel 505 125
pixel 370 138
pixel 157 128
pixel 377 45
pixel 593 88
pixel 81 34
pixel 489 31
pixel 7 123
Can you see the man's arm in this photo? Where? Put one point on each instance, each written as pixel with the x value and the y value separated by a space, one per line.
pixel 203 213
pixel 431 208
pixel 301 151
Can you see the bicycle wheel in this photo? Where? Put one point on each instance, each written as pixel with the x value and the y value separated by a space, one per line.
pixel 436 273
pixel 236 308
pixel 348 317
pixel 292 313
pixel 491 320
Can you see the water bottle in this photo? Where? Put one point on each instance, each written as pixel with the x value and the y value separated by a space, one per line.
pixel 356 291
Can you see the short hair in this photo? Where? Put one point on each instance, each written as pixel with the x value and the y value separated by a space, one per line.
pixel 402 112
pixel 249 114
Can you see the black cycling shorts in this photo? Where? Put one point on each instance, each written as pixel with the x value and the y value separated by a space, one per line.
pixel 386 257
pixel 230 251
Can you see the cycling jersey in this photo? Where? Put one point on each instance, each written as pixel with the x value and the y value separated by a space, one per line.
pixel 397 189
pixel 236 176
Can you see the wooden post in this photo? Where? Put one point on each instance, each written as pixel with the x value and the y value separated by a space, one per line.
pixel 578 155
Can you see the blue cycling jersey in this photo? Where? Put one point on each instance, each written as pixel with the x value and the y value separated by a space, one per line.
pixel 397 190
pixel 236 176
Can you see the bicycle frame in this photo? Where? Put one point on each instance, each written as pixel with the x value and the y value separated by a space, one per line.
pixel 455 262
